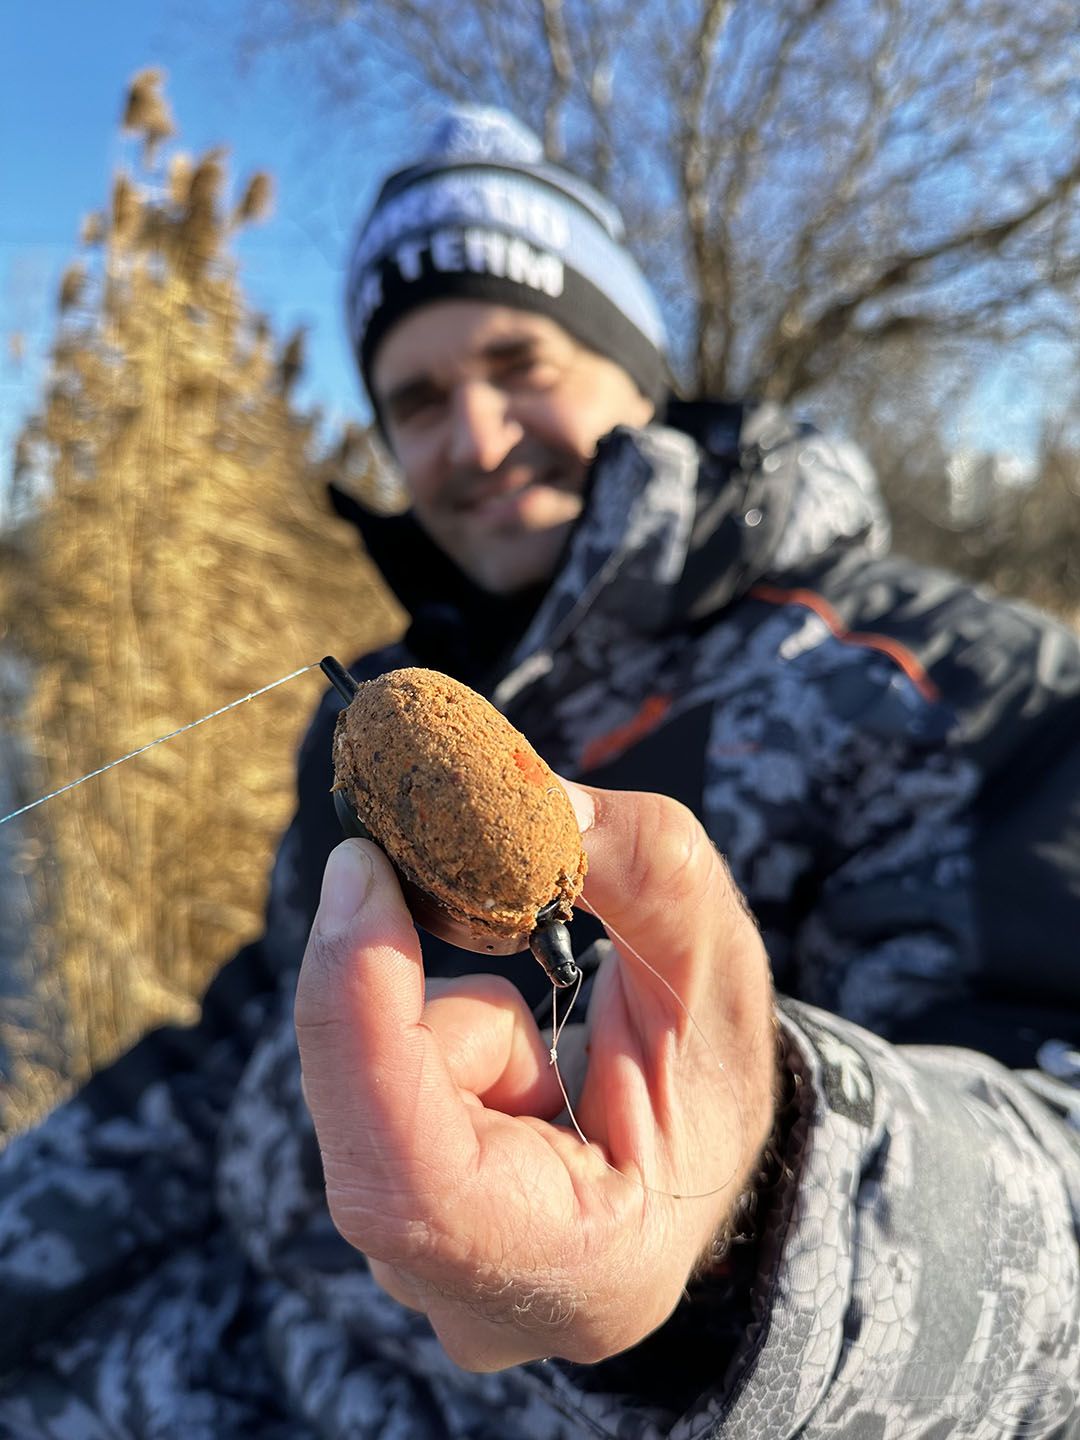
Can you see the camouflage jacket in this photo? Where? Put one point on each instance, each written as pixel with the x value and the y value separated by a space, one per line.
pixel 890 763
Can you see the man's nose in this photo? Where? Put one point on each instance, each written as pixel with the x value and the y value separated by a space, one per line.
pixel 482 429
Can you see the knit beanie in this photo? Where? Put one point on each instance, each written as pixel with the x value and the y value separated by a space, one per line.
pixel 484 216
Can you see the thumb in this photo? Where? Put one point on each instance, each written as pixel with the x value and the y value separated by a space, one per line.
pixel 682 1041
pixel 666 897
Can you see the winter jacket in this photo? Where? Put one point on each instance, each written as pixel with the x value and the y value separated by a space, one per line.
pixel 890 763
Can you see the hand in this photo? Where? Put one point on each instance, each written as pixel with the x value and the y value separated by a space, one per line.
pixel 442 1160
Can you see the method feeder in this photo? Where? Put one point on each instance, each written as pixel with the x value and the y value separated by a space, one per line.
pixel 549 940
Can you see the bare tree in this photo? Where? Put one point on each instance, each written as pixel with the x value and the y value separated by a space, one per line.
pixel 856 205
pixel 1024 539
pixel 1014 527
pixel 806 181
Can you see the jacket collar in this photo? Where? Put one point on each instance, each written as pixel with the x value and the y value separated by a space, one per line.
pixel 680 519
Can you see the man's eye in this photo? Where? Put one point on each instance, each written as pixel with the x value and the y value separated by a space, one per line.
pixel 530 370
pixel 416 408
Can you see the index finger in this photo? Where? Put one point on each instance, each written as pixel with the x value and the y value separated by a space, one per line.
pixel 396 1136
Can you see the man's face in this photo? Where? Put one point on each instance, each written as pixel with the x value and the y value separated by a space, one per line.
pixel 493 415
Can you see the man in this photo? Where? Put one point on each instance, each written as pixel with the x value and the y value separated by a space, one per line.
pixel 699 606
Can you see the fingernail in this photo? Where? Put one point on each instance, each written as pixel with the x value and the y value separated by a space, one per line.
pixel 345 886
pixel 582 803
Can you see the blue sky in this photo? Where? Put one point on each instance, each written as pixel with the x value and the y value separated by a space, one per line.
pixel 64 66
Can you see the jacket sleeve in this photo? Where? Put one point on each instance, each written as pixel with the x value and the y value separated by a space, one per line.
pixel 122 1172
pixel 918 1265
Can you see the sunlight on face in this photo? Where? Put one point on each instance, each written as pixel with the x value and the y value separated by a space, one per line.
pixel 493 415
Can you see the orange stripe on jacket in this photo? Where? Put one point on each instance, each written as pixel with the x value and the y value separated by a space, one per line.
pixel 899 654
pixel 606 747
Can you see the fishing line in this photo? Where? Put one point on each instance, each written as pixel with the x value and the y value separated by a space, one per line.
pixel 557 1029
pixel 159 741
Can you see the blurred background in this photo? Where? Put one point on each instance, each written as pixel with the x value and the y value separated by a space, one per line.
pixel 866 209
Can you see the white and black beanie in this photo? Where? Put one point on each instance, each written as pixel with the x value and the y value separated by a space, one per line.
pixel 484 216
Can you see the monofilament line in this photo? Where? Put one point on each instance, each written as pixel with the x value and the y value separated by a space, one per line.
pixel 557 1029
pixel 159 741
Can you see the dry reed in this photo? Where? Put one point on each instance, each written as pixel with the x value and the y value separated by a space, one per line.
pixel 183 556
pixel 146 111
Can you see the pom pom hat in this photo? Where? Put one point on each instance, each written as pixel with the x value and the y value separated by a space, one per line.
pixel 484 216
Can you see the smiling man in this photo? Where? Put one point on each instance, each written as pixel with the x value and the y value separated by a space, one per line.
pixel 503 329
pixel 695 600
pixel 494 415
pixel 676 602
